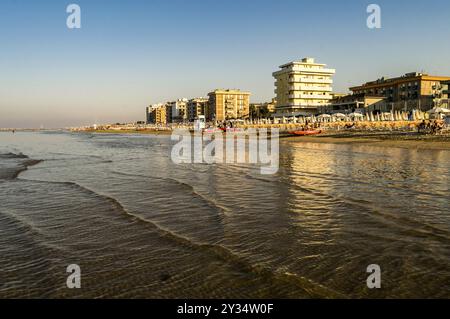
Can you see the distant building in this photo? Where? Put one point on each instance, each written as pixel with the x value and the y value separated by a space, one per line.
pixel 156 114
pixel 355 103
pixel 410 91
pixel 176 111
pixel 262 110
pixel 228 104
pixel 196 107
pixel 446 93
pixel 302 87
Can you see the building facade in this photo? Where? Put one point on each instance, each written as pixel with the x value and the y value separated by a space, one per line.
pixel 228 105
pixel 410 91
pixel 156 114
pixel 445 85
pixel 302 87
pixel 176 111
pixel 356 103
pixel 196 107
pixel 262 110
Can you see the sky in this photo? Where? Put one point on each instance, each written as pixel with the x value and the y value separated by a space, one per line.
pixel 129 54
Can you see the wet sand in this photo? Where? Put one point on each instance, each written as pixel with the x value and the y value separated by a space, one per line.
pixel 409 140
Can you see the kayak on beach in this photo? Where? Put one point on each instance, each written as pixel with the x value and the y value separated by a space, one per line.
pixel 305 133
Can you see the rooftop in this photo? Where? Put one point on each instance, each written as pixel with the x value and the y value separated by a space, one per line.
pixel 406 77
pixel 308 61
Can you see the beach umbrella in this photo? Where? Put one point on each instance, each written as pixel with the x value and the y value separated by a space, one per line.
pixel 356 115
pixel 439 110
pixel 419 115
pixel 339 115
pixel 324 117
pixel 372 118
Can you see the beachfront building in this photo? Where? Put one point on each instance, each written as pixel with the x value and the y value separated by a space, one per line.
pixel 262 110
pixel 361 103
pixel 228 105
pixel 196 107
pixel 446 94
pixel 176 111
pixel 407 92
pixel 302 87
pixel 156 114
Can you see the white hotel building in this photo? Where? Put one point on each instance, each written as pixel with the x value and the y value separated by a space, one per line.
pixel 301 87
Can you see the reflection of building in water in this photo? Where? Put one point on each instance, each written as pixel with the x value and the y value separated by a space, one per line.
pixel 309 172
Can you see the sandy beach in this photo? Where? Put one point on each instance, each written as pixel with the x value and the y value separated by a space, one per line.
pixel 410 140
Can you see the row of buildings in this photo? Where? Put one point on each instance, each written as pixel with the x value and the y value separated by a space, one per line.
pixel 305 87
pixel 220 105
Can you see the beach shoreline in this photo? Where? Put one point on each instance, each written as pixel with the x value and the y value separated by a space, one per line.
pixel 409 140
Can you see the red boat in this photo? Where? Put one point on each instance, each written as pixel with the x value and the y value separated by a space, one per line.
pixel 305 133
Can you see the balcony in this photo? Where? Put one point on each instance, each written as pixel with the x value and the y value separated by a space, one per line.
pixel 310 88
pixel 307 80
pixel 310 96
pixel 299 68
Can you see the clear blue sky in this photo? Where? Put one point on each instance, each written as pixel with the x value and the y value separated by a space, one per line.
pixel 129 54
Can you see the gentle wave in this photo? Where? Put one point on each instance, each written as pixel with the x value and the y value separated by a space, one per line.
pixel 314 290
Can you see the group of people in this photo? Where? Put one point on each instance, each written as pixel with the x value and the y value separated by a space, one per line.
pixel 433 127
pixel 224 125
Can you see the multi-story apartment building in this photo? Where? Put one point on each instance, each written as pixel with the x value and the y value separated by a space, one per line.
pixel 228 104
pixel 176 111
pixel 196 107
pixel 302 87
pixel 156 114
pixel 412 90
